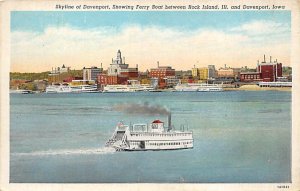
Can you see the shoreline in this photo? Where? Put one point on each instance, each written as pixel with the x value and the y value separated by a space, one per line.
pixel 242 88
pixel 257 88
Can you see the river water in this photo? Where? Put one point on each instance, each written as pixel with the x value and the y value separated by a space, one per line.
pixel 239 137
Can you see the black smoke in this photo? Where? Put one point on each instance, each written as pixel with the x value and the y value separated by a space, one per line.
pixel 142 109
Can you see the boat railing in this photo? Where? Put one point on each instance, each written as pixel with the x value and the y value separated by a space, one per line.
pixel 166 134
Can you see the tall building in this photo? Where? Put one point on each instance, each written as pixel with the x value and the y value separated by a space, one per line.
pixel 211 71
pixel 204 73
pixel 91 73
pixel 270 71
pixel 118 67
pixel 118 72
pixel 195 72
pixel 265 71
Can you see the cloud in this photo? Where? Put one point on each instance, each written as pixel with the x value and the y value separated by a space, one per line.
pixel 142 45
pixel 263 27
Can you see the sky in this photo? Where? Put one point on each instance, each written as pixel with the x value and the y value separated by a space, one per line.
pixel 42 40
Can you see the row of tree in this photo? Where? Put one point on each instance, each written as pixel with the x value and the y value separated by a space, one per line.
pixel 39 76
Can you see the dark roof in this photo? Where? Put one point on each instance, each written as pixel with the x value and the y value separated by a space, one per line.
pixel 157 121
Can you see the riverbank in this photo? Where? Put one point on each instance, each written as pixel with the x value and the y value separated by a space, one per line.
pixel 242 88
pixel 257 88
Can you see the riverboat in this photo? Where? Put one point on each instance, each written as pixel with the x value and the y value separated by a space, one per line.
pixel 58 88
pixel 198 87
pixel 65 88
pixel 154 136
pixel 126 88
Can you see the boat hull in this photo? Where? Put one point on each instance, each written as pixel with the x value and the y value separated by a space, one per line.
pixel 169 149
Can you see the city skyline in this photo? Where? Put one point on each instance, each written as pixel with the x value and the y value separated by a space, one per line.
pixel 177 39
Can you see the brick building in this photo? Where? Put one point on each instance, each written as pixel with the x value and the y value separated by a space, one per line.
pixel 270 71
pixel 250 76
pixel 117 73
pixel 265 71
pixel 162 72
pixel 165 76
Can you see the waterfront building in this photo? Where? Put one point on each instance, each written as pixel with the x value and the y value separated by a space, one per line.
pixel 162 72
pixel 183 74
pixel 118 67
pixel 265 72
pixel 91 73
pixel 204 73
pixel 171 81
pixel 58 74
pixel 270 71
pixel 144 77
pixel 58 70
pixel 250 76
pixel 211 71
pixel 187 79
pixel 117 73
pixel 105 79
pixel 228 72
pixel 195 72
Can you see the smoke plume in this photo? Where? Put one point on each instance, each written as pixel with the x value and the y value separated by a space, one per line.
pixel 143 109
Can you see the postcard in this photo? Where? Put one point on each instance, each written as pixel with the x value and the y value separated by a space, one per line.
pixel 142 95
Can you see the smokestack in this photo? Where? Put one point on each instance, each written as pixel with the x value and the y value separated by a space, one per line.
pixel 124 59
pixel 137 66
pixel 169 122
pixel 157 64
pixel 270 59
pixel 264 58
pixel 101 64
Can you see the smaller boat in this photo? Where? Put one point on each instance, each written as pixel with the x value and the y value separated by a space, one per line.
pixel 127 88
pixel 65 88
pixel 132 86
pixel 88 88
pixel 198 87
pixel 19 91
pixel 58 88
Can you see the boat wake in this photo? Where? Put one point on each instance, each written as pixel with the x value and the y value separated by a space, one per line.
pixel 92 151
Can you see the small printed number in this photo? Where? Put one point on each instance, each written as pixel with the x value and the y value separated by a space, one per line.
pixel 283 186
